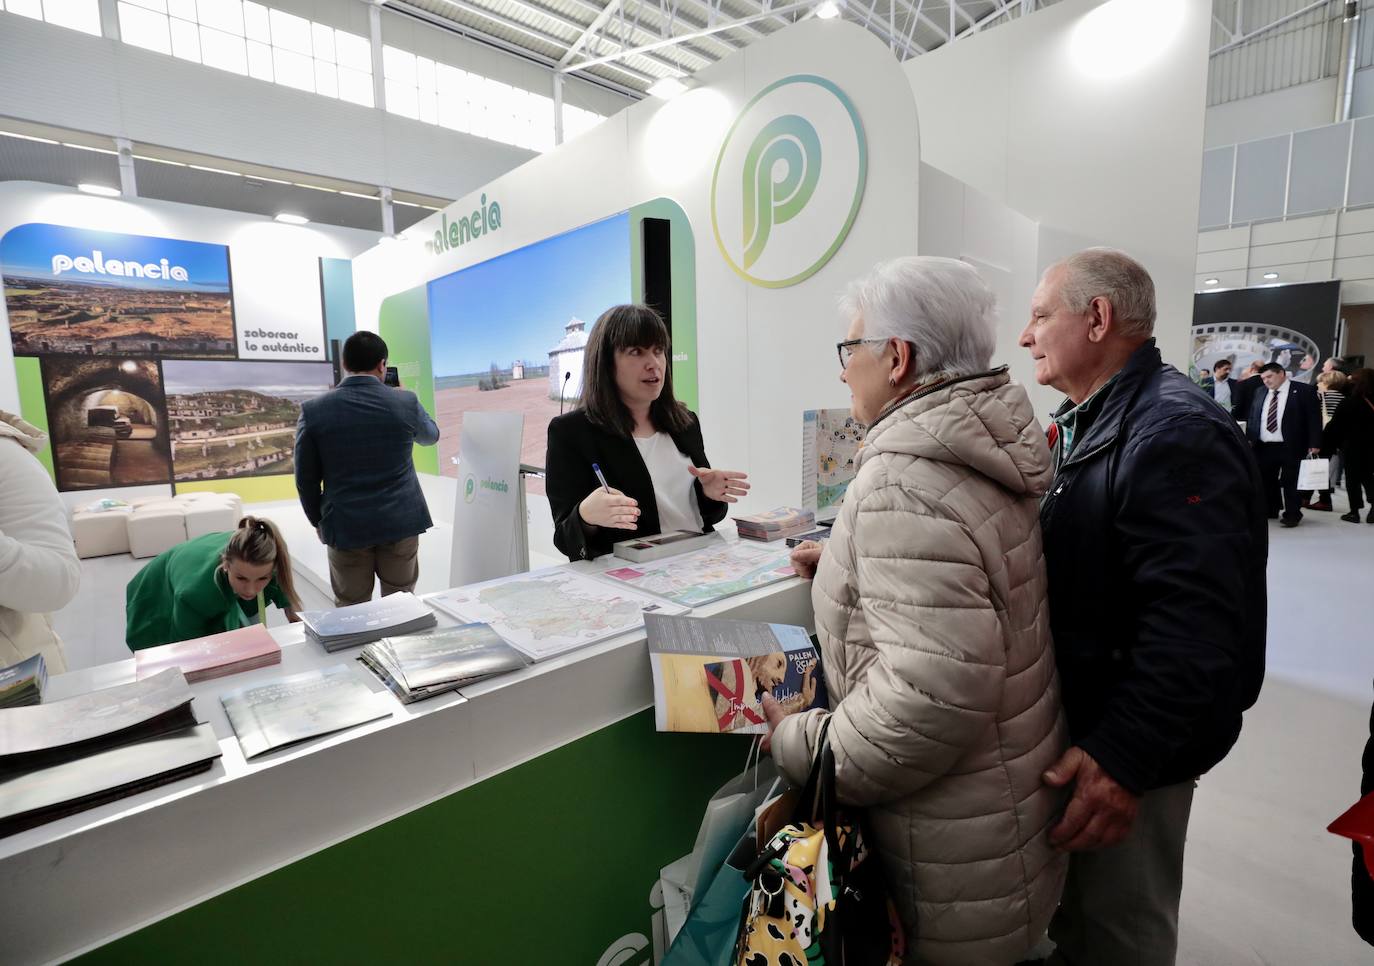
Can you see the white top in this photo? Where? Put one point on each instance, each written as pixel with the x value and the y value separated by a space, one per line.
pixel 674 485
pixel 1277 436
pixel 39 570
pixel 1222 392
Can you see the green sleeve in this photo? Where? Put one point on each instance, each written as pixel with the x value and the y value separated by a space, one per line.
pixel 275 595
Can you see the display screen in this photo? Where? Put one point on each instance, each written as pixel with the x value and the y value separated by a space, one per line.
pixel 507 334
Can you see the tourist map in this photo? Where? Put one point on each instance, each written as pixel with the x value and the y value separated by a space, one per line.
pixel 709 574
pixel 830 448
pixel 547 612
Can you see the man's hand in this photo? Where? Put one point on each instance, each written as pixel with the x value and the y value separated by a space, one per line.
pixel 774 713
pixel 1313 450
pixel 805 556
pixel 1100 813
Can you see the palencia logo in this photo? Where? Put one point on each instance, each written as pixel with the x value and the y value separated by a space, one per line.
pixel 471 485
pixel 789 181
pixel 452 234
pixel 97 265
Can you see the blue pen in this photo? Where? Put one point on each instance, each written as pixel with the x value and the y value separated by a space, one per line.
pixel 597 470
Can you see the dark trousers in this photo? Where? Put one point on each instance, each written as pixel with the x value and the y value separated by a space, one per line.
pixel 1359 475
pixel 1280 476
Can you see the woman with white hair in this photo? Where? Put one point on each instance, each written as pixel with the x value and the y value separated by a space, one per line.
pixel 930 609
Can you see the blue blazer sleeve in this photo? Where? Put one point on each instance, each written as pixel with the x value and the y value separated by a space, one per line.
pixel 426 429
pixel 309 478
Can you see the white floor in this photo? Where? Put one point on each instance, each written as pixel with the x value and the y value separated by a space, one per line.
pixel 1265 883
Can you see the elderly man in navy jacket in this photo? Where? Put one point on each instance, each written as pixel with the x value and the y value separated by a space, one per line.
pixel 1284 425
pixel 1155 544
pixel 356 476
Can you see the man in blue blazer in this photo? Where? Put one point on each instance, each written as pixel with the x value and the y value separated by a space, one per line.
pixel 356 477
pixel 1284 425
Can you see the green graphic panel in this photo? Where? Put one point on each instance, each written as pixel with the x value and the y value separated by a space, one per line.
pixel 683 265
pixel 550 862
pixel 403 322
pixel 336 295
pixel 32 406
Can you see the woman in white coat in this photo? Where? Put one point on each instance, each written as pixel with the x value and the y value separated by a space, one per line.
pixel 39 570
pixel 935 636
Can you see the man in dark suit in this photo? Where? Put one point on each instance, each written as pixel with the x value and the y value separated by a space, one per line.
pixel 356 477
pixel 1243 391
pixel 1223 387
pixel 1284 425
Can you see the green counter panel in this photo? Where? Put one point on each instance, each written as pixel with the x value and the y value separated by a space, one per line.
pixel 552 862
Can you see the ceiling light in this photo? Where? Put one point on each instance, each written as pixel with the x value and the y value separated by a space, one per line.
pixel 828 10
pixel 1212 281
pixel 201 167
pixel 314 187
pixel 1271 274
pixel 286 218
pixel 87 147
pixel 28 137
pixel 386 239
pixel 355 194
pixel 144 157
pixel 667 88
pixel 104 190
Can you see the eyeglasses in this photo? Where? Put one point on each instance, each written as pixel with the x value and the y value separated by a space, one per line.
pixel 845 349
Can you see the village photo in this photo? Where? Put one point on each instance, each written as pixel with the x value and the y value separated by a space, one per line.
pixel 508 334
pixel 230 419
pixel 69 290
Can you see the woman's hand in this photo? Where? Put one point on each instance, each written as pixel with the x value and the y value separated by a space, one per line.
pixel 774 713
pixel 723 486
pixel 609 509
pixel 292 617
pixel 805 556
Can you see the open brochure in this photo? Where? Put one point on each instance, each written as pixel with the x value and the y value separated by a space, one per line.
pixel 710 674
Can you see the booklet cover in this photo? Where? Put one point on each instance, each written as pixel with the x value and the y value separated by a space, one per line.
pixel 23 683
pixel 44 734
pixel 423 665
pixel 213 656
pixel 300 706
pixel 369 621
pixel 40 796
pixel 710 673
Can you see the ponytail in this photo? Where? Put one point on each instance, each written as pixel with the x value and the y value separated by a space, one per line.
pixel 257 542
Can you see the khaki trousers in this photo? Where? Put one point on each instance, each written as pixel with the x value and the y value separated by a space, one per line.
pixel 352 572
pixel 1120 905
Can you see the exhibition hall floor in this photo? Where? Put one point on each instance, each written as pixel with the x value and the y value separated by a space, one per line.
pixel 1265 883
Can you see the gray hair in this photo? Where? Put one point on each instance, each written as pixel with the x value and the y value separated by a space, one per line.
pixel 939 305
pixel 1115 276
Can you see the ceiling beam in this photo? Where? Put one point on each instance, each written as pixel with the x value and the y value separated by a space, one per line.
pixel 607 12
pixel 1287 18
pixel 674 41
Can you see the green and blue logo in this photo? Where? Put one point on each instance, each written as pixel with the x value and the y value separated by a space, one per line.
pixel 469 489
pixel 780 205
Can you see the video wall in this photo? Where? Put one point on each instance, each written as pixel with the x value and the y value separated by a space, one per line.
pixel 138 355
pixel 1294 325
pixel 508 334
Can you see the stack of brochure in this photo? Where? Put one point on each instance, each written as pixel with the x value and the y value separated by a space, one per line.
pixel 212 657
pixel 297 707
pixel 367 622
pixel 65 756
pixel 775 524
pixel 423 665
pixel 23 683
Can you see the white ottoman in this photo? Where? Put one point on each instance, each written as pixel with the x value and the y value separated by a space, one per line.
pixel 101 533
pixel 155 528
pixel 211 516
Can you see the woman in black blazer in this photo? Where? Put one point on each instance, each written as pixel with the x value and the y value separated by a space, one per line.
pixel 646 443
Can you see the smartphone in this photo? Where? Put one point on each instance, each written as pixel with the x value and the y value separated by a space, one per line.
pixel 393 378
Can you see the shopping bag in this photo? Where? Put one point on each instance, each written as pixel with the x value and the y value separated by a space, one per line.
pixel 816 892
pixel 708 936
pixel 1314 474
pixel 728 814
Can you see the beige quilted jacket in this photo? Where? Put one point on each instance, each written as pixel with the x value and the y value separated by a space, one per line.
pixel 931 612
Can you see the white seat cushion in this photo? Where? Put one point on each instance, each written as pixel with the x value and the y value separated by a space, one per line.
pixel 156 528
pixel 99 534
pixel 210 516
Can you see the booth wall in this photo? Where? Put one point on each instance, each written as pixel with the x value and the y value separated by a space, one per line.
pixel 157 99
pixel 1034 115
pixel 764 355
pixel 276 268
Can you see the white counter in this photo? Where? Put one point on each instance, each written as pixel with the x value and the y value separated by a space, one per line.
pixel 81 881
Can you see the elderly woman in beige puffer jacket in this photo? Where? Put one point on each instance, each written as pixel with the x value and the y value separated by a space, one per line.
pixel 930 608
